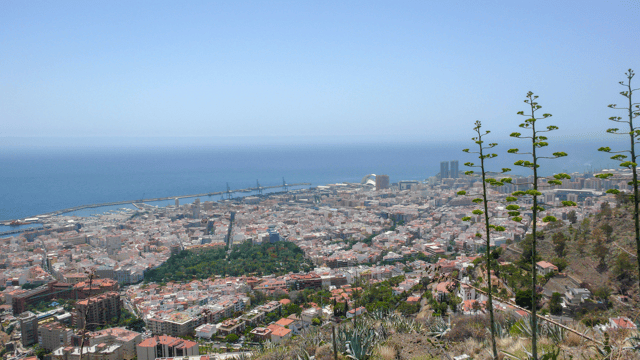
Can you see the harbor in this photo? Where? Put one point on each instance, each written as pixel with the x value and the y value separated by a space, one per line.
pixel 20 225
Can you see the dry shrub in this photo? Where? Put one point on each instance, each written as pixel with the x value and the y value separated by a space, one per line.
pixel 619 335
pixel 515 345
pixel 386 352
pixel 471 347
pixel 278 353
pixel 469 327
pixel 324 352
pixel 572 339
pixel 310 349
pixel 409 346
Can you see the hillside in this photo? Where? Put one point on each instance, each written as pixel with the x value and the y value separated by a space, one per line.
pixel 245 259
pixel 592 251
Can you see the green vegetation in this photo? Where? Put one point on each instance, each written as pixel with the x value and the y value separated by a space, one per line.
pixel 627 161
pixel 279 258
pixel 320 297
pixel 130 321
pixel 40 352
pixel 559 244
pixel 46 305
pixel 29 286
pixel 554 304
pixel 231 338
pixel 407 309
pixel 291 309
pixel 380 296
pixel 524 298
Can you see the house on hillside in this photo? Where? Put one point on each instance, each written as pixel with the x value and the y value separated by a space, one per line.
pixel 472 307
pixel 442 290
pixel 622 322
pixel 545 267
pixel 279 333
pixel 575 296
pixel 411 300
pixel 261 333
pixel 356 312
pixel 466 292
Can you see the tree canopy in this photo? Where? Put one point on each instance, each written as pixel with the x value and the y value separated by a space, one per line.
pixel 244 259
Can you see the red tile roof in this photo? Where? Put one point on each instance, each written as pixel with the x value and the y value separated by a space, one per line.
pixel 284 322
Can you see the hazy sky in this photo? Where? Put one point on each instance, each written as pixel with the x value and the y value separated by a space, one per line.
pixel 421 70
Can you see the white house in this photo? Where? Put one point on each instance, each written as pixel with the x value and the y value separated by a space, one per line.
pixel 575 296
pixel 355 312
pixel 206 331
pixel 309 314
pixel 466 292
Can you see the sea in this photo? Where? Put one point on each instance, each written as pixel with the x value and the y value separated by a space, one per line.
pixel 38 180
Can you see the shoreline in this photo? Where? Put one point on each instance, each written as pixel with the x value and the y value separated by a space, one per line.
pixel 138 201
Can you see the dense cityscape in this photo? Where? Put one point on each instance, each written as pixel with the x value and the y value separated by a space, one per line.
pixel 109 276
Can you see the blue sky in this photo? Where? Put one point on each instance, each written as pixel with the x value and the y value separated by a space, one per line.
pixel 395 70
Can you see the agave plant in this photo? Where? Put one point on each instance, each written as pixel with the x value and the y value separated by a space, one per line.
pixel 438 328
pixel 342 336
pixel 312 337
pixel 507 323
pixel 501 331
pixel 379 314
pixel 635 343
pixel 268 345
pixel 555 333
pixel 279 353
pixel 304 355
pixel 526 329
pixel 402 324
pixel 381 332
pixel 360 346
pixel 606 349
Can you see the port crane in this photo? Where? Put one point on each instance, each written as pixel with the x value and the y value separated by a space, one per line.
pixel 258 187
pixel 228 192
pixel 141 199
pixel 284 185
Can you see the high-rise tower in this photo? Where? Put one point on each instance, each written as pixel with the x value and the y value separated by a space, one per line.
pixel 29 328
pixel 196 209
pixel 444 169
pixel 453 172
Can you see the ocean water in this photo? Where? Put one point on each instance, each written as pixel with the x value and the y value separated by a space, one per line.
pixel 35 181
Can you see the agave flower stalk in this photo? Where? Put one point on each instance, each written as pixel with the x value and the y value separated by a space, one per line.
pixel 633 111
pixel 484 199
pixel 538 141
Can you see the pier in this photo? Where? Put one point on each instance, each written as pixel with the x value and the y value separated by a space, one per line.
pixel 81 207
